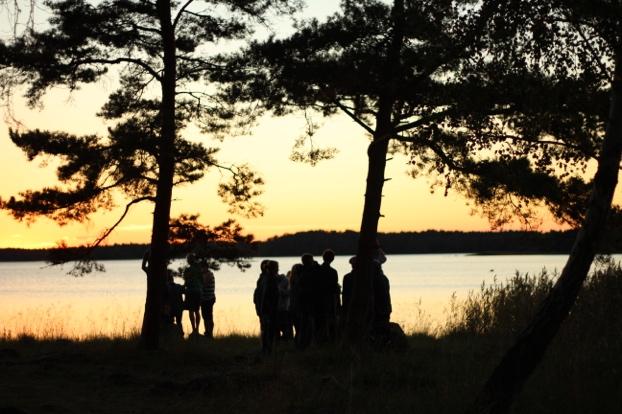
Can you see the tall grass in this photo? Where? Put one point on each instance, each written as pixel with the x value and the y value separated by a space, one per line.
pixel 582 370
pixel 62 321
pixel 502 310
pixel 499 309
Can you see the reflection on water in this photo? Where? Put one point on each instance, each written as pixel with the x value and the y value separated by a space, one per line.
pixel 44 301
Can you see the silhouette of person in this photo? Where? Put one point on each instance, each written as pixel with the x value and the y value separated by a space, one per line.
pixel 266 298
pixel 308 286
pixel 295 300
pixel 175 302
pixel 327 301
pixel 347 291
pixel 208 299
pixel 193 285
pixel 382 299
pixel 285 329
pixel 263 266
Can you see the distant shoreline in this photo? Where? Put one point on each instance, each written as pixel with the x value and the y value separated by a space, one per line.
pixel 432 242
pixel 344 243
pixel 9 260
pixel 515 253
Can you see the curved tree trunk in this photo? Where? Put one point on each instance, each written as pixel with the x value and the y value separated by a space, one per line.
pixel 521 360
pixel 156 277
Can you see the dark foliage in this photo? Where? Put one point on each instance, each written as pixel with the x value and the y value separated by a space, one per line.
pixel 566 43
pixel 83 43
pixel 211 245
pixel 472 113
pixel 473 101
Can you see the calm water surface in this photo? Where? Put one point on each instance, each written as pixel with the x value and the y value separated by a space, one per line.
pixel 45 301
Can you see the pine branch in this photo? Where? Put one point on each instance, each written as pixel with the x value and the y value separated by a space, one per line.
pixel 116 61
pixel 107 232
pixel 82 255
pixel 422 121
pixel 181 12
pixel 356 119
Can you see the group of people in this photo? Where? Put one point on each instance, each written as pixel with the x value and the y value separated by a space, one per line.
pixel 197 296
pixel 308 304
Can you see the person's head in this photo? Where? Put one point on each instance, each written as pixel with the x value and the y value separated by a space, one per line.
pixel 328 256
pixel 378 256
pixel 352 261
pixel 264 265
pixel 307 259
pixel 192 259
pixel 273 267
pixel 295 271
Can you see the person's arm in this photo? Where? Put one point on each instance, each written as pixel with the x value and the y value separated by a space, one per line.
pixel 209 282
pixel 335 288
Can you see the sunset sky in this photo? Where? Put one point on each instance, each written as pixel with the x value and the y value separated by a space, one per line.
pixel 296 196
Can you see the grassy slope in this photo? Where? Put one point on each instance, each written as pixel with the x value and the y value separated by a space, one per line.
pixel 228 376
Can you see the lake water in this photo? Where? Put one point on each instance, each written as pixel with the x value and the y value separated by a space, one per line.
pixel 44 301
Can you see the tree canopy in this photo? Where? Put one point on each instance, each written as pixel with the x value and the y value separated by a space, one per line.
pixel 82 44
pixel 470 111
pixel 576 48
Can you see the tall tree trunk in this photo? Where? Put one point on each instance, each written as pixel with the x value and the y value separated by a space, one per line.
pixel 156 277
pixel 521 360
pixel 361 303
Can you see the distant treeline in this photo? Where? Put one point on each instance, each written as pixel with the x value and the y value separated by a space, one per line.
pixel 422 242
pixel 114 252
pixel 517 242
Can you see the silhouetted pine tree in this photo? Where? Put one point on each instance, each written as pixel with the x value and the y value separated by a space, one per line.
pixel 162 48
pixel 400 71
pixel 440 82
